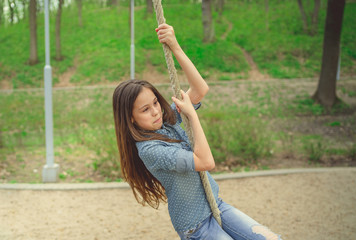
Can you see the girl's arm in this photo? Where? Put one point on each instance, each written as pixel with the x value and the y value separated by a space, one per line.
pixel 203 158
pixel 198 87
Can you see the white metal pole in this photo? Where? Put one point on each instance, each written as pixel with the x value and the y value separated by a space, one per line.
pixel 132 49
pixel 50 170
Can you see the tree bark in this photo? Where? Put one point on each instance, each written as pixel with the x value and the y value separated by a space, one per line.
pixel 326 91
pixel 12 11
pixel 314 27
pixel 59 56
pixel 219 7
pixel 80 20
pixel 112 3
pixel 16 10
pixel 304 16
pixel 1 11
pixel 149 7
pixel 33 32
pixel 208 27
pixel 24 8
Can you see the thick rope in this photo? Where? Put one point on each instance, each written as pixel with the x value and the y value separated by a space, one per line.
pixel 176 89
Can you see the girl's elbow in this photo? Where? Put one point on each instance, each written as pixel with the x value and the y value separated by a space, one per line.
pixel 211 166
pixel 203 165
pixel 205 90
pixel 202 92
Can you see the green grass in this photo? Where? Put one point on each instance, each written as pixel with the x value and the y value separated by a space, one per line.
pixel 239 127
pixel 230 133
pixel 99 52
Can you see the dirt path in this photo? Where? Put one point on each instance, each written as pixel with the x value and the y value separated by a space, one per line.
pixel 254 73
pixel 318 206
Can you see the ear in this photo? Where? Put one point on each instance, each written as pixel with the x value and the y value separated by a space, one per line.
pixel 132 120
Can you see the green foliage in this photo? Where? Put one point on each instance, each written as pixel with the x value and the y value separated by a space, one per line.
pixel 306 105
pixel 232 133
pixel 313 147
pixel 334 124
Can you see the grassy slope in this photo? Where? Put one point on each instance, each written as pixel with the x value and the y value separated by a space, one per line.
pixel 99 52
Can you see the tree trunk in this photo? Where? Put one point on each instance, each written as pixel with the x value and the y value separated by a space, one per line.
pixel 12 11
pixel 314 26
pixel 16 10
pixel 1 11
pixel 80 20
pixel 304 16
pixel 149 7
pixel 24 7
pixel 59 56
pixel 219 7
pixel 208 27
pixel 112 3
pixel 326 91
pixel 33 32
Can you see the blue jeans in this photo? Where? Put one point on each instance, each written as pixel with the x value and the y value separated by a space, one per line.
pixel 235 226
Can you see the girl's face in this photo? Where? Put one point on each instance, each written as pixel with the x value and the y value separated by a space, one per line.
pixel 147 113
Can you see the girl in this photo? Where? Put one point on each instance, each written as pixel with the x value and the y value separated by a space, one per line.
pixel 158 162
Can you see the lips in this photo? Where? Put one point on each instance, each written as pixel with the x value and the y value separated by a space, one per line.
pixel 157 121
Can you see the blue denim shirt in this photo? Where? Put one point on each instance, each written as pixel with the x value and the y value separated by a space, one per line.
pixel 173 165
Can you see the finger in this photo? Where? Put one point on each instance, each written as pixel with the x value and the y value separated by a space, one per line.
pixel 182 94
pixel 162 26
pixel 164 40
pixel 176 101
pixel 160 37
pixel 162 33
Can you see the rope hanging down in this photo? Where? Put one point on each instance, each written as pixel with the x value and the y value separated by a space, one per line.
pixel 176 89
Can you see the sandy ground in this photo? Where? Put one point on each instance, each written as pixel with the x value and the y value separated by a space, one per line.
pixel 298 206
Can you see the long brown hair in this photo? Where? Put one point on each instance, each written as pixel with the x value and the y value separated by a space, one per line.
pixel 146 188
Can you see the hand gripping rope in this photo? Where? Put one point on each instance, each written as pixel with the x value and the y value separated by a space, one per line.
pixel 176 89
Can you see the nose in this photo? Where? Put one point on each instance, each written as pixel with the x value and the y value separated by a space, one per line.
pixel 155 111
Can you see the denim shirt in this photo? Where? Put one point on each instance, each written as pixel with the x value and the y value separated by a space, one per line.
pixel 173 165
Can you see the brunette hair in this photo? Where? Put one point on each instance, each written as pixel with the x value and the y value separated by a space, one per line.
pixel 146 188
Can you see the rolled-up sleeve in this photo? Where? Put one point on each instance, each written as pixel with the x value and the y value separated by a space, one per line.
pixel 159 155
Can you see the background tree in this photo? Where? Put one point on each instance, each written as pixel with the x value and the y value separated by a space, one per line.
pixel 311 30
pixel 326 91
pixel 24 8
pixel 79 6
pixel 112 3
pixel 314 18
pixel 149 7
pixel 1 10
pixel 208 26
pixel 12 10
pixel 219 7
pixel 59 56
pixel 33 32
pixel 267 14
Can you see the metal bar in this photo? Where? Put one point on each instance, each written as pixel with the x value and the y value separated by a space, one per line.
pixel 50 170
